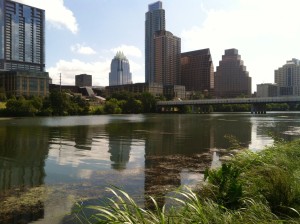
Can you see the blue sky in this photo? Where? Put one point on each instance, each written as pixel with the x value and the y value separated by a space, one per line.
pixel 82 36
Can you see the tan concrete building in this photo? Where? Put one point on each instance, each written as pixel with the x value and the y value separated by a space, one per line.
pixel 267 90
pixel 231 78
pixel 167 49
pixel 26 83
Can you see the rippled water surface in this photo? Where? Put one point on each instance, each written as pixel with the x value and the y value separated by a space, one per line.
pixel 70 159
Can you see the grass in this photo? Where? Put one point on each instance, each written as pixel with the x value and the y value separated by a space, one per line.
pixel 261 187
pixel 2 105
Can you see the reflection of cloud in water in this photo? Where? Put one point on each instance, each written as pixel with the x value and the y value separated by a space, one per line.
pixel 190 179
pixel 66 154
pixel 85 174
pixel 295 131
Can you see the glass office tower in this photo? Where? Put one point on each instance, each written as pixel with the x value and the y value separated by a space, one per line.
pixel 155 21
pixel 120 71
pixel 22 37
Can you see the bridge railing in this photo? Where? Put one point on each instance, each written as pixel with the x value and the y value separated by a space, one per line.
pixel 284 99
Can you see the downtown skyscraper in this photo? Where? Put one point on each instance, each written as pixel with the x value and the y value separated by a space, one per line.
pixel 22 37
pixel 120 71
pixel 287 78
pixel 167 48
pixel 231 78
pixel 22 50
pixel 155 21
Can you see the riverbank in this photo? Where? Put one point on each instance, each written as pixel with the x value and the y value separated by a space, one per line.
pixel 253 187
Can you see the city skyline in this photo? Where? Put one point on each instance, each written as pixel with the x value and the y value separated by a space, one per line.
pixel 79 42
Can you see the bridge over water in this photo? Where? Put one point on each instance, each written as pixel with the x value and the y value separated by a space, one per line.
pixel 258 104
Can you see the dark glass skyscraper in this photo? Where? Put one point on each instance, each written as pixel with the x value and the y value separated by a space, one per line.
pixel 22 37
pixel 155 21
pixel 197 71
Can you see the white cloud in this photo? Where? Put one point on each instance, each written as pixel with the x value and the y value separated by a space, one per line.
pixel 68 69
pixel 56 13
pixel 265 33
pixel 128 50
pixel 82 49
pixel 98 69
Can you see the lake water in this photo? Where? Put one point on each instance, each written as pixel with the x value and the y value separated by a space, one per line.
pixel 68 159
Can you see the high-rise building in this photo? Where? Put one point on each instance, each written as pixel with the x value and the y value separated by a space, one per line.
pixel 231 78
pixel 288 78
pixel 22 37
pixel 167 49
pixel 83 80
pixel 120 71
pixel 22 50
pixel 197 71
pixel 155 21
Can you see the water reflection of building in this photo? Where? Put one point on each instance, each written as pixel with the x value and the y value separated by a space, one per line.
pixel 119 150
pixel 119 145
pixel 22 159
pixel 83 137
pixel 22 162
pixel 179 143
pixel 235 127
pixel 173 149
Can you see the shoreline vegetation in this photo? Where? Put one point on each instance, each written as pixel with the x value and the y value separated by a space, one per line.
pixel 253 187
pixel 68 104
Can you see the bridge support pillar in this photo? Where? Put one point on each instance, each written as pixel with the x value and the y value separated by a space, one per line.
pixel 258 108
pixel 204 109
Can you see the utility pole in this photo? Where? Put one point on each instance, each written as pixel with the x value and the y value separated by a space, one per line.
pixel 60 82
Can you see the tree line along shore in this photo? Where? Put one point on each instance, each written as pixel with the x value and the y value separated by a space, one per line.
pixel 65 104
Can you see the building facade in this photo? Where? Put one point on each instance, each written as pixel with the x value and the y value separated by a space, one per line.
pixel 267 90
pixel 155 21
pixel 153 88
pixel 167 49
pixel 22 37
pixel 120 71
pixel 231 78
pixel 197 71
pixel 25 83
pixel 174 92
pixel 83 80
pixel 287 78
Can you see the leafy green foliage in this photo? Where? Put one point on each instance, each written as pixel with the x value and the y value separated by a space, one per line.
pixel 228 191
pixel 112 106
pixel 57 104
pixel 130 103
pixel 23 107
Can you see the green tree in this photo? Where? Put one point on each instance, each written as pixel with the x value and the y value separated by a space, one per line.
pixel 59 103
pixel 112 107
pixel 148 102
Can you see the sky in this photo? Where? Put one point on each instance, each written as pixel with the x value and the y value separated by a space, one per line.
pixel 83 36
